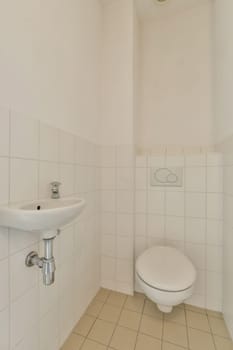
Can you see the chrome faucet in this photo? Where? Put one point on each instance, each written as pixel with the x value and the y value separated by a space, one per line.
pixel 55 189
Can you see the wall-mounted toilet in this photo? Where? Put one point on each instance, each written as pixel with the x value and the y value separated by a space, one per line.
pixel 166 276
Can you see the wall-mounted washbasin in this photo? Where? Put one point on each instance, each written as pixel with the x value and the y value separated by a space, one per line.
pixel 41 215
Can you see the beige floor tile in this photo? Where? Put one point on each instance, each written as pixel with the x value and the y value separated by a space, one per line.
pixel 198 321
pixel 74 342
pixel 102 332
pixel 116 299
pixel 135 303
pixel 223 343
pixel 144 342
pixel 151 326
pixel 177 315
pixel 84 325
pixel 91 345
pixel 195 309
pixel 151 309
pixel 94 308
pixel 102 295
pixel 199 340
pixel 175 333
pixel 214 314
pixel 169 346
pixel 218 327
pixel 130 319
pixel 110 313
pixel 123 339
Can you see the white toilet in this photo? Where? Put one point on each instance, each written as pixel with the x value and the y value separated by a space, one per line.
pixel 166 276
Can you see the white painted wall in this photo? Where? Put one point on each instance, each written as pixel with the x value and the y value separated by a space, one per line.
pixel 175 96
pixel 224 135
pixel 223 69
pixel 49 61
pixel 117 70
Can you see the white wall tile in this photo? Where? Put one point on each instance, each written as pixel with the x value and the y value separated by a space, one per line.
pixel 20 320
pixel 66 147
pixel 214 291
pixel 30 341
pixel 125 224
pixel 108 201
pixel 125 156
pixel 108 223
pixel 24 180
pixel 125 248
pixel 4 242
pixel 175 203
pixel 108 246
pixel 156 202
pixel 194 160
pixel 214 206
pixel 141 178
pixel 175 228
pixel 125 201
pixel 49 143
pixel 214 179
pixel 108 156
pixel 66 242
pixel 49 331
pixel 22 278
pixel 175 160
pixel 158 160
pixel 108 178
pixel 24 137
pixel 108 268
pixel 195 179
pixel 125 178
pixel 4 329
pixel 214 258
pixel 196 252
pixel 124 271
pixel 48 172
pixel 67 179
pixel 195 205
pixel 214 232
pixel 4 132
pixel 4 184
pixel 214 159
pixel 140 225
pixel 4 290
pixel 156 226
pixel 141 161
pixel 140 201
pixel 195 230
pixel 19 240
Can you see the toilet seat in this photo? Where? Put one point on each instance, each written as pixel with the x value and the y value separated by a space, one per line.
pixel 165 269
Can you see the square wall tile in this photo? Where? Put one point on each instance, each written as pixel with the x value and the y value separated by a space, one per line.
pixel 215 179
pixel 48 172
pixel 195 205
pixel 141 178
pixel 108 201
pixel 125 201
pixel 21 321
pixel 141 161
pixel 124 248
pixel 214 159
pixel 4 131
pixel 108 179
pixel 214 258
pixel 174 228
pixel 108 223
pixel 125 225
pixel 214 232
pixel 156 202
pixel 214 206
pixel 108 156
pixel 195 230
pixel 19 240
pixel 156 226
pixel 125 156
pixel 108 245
pixel 4 242
pixel 24 137
pixel 175 203
pixel 4 184
pixel 108 268
pixel 66 147
pixel 4 329
pixel 140 225
pixel 124 271
pixel 67 178
pixel 158 160
pixel 194 160
pixel 214 291
pixel 140 201
pixel 125 178
pixel 195 179
pixel 4 289
pixel 49 143
pixel 196 252
pixel 24 180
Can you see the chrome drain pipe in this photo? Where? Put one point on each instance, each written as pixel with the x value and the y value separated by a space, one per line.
pixel 46 263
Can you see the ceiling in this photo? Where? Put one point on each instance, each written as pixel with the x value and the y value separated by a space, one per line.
pixel 152 9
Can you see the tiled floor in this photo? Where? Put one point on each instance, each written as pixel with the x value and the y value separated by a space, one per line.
pixel 116 321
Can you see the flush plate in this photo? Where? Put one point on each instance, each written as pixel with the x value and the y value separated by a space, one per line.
pixel 166 177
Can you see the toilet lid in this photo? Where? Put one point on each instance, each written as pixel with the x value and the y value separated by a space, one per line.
pixel 166 268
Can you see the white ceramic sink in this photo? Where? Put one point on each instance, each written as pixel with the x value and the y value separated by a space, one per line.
pixel 41 215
